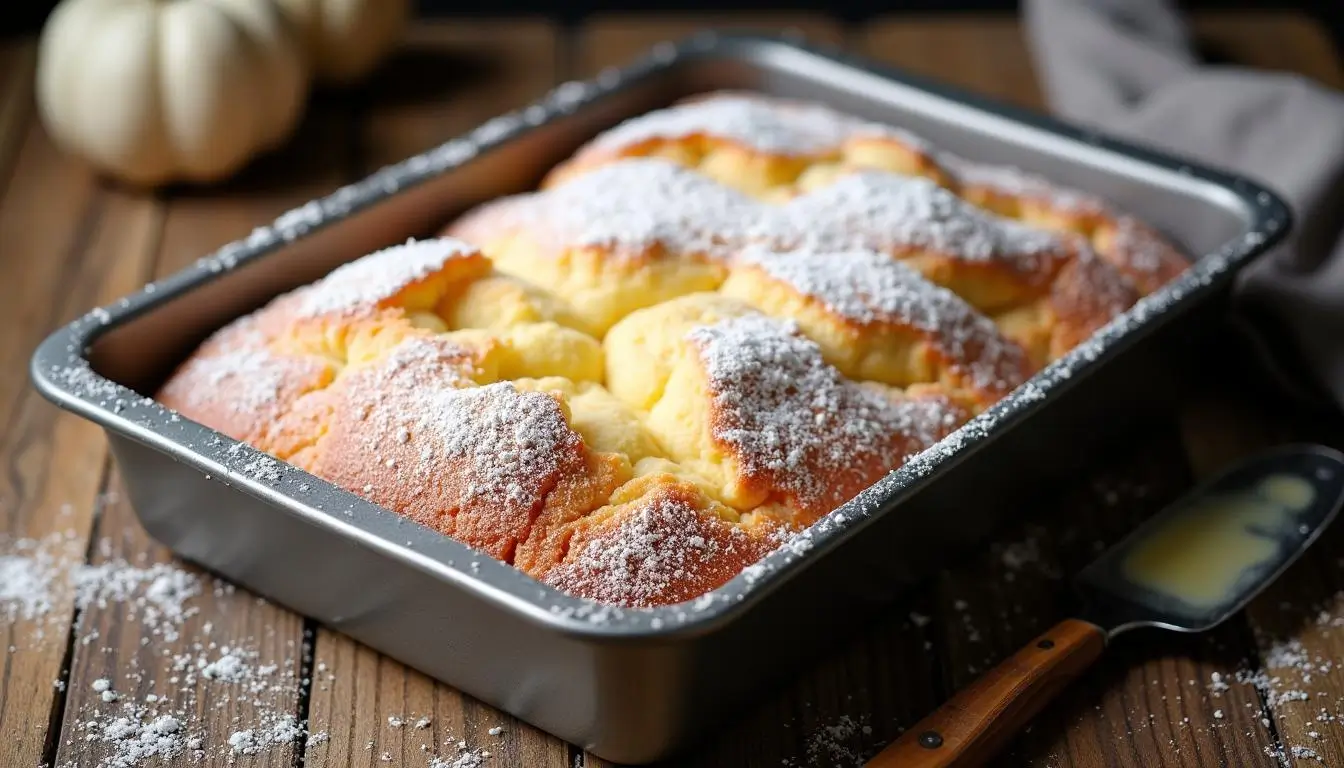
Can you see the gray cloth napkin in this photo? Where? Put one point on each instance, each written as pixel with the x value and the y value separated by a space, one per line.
pixel 1126 67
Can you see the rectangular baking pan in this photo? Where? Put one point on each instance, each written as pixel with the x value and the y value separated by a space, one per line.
pixel 636 686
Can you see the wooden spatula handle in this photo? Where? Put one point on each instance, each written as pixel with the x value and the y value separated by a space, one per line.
pixel 974 724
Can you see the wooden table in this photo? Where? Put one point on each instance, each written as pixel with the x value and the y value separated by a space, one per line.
pixel 70 242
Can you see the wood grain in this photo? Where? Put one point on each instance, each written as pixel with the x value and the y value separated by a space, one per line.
pixel 1294 621
pixel 140 661
pixel 129 652
pixel 18 64
pixel 73 243
pixel 984 53
pixel 1139 707
pixel 972 726
pixel 614 40
pixel 449 77
pixel 470 71
pixel 68 246
pixel 1297 621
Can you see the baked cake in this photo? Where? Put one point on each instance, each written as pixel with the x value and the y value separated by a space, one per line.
pixel 709 327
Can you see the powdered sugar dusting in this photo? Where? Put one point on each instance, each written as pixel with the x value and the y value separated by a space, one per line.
pixel 420 362
pixel 790 418
pixel 754 121
pixel 834 744
pixel 136 738
pixel 882 211
pixel 464 760
pixel 507 438
pixel 27 577
pixel 657 551
pixel 379 276
pixel 871 288
pixel 1008 180
pixel 1138 247
pixel 634 204
pixel 158 593
pixel 254 375
pixel 146 712
pixel 238 373
pixel 35 573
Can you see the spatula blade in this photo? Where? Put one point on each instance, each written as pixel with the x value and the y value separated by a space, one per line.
pixel 1205 556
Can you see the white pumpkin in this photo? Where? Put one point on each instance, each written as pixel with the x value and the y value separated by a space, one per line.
pixel 346 39
pixel 155 92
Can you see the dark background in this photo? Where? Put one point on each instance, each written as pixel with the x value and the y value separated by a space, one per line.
pixel 26 16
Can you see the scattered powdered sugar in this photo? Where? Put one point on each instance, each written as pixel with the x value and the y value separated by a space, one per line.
pixel 759 122
pixel 833 745
pixel 284 729
pixel 380 275
pixel 130 718
pixel 79 378
pixel 27 576
pixel 157 594
pixel 1217 684
pixel 464 760
pixel 138 736
pixel 231 667
pixel 793 422
pixel 35 572
pixel 1286 672
pixel 870 288
pixel 883 211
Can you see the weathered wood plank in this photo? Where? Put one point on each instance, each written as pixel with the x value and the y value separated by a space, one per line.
pixel 157 669
pixel 614 40
pixel 68 246
pixel 18 65
pixel 450 76
pixel 985 53
pixel 158 672
pixel 468 71
pixel 1296 621
pixel 1148 701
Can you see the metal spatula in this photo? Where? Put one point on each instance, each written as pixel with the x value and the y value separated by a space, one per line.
pixel 1186 569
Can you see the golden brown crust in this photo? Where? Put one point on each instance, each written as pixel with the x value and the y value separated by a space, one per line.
pixel 238 384
pixel 876 319
pixel 758 144
pixel 710 328
pixel 776 148
pixel 478 463
pixel 797 434
pixel 660 542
